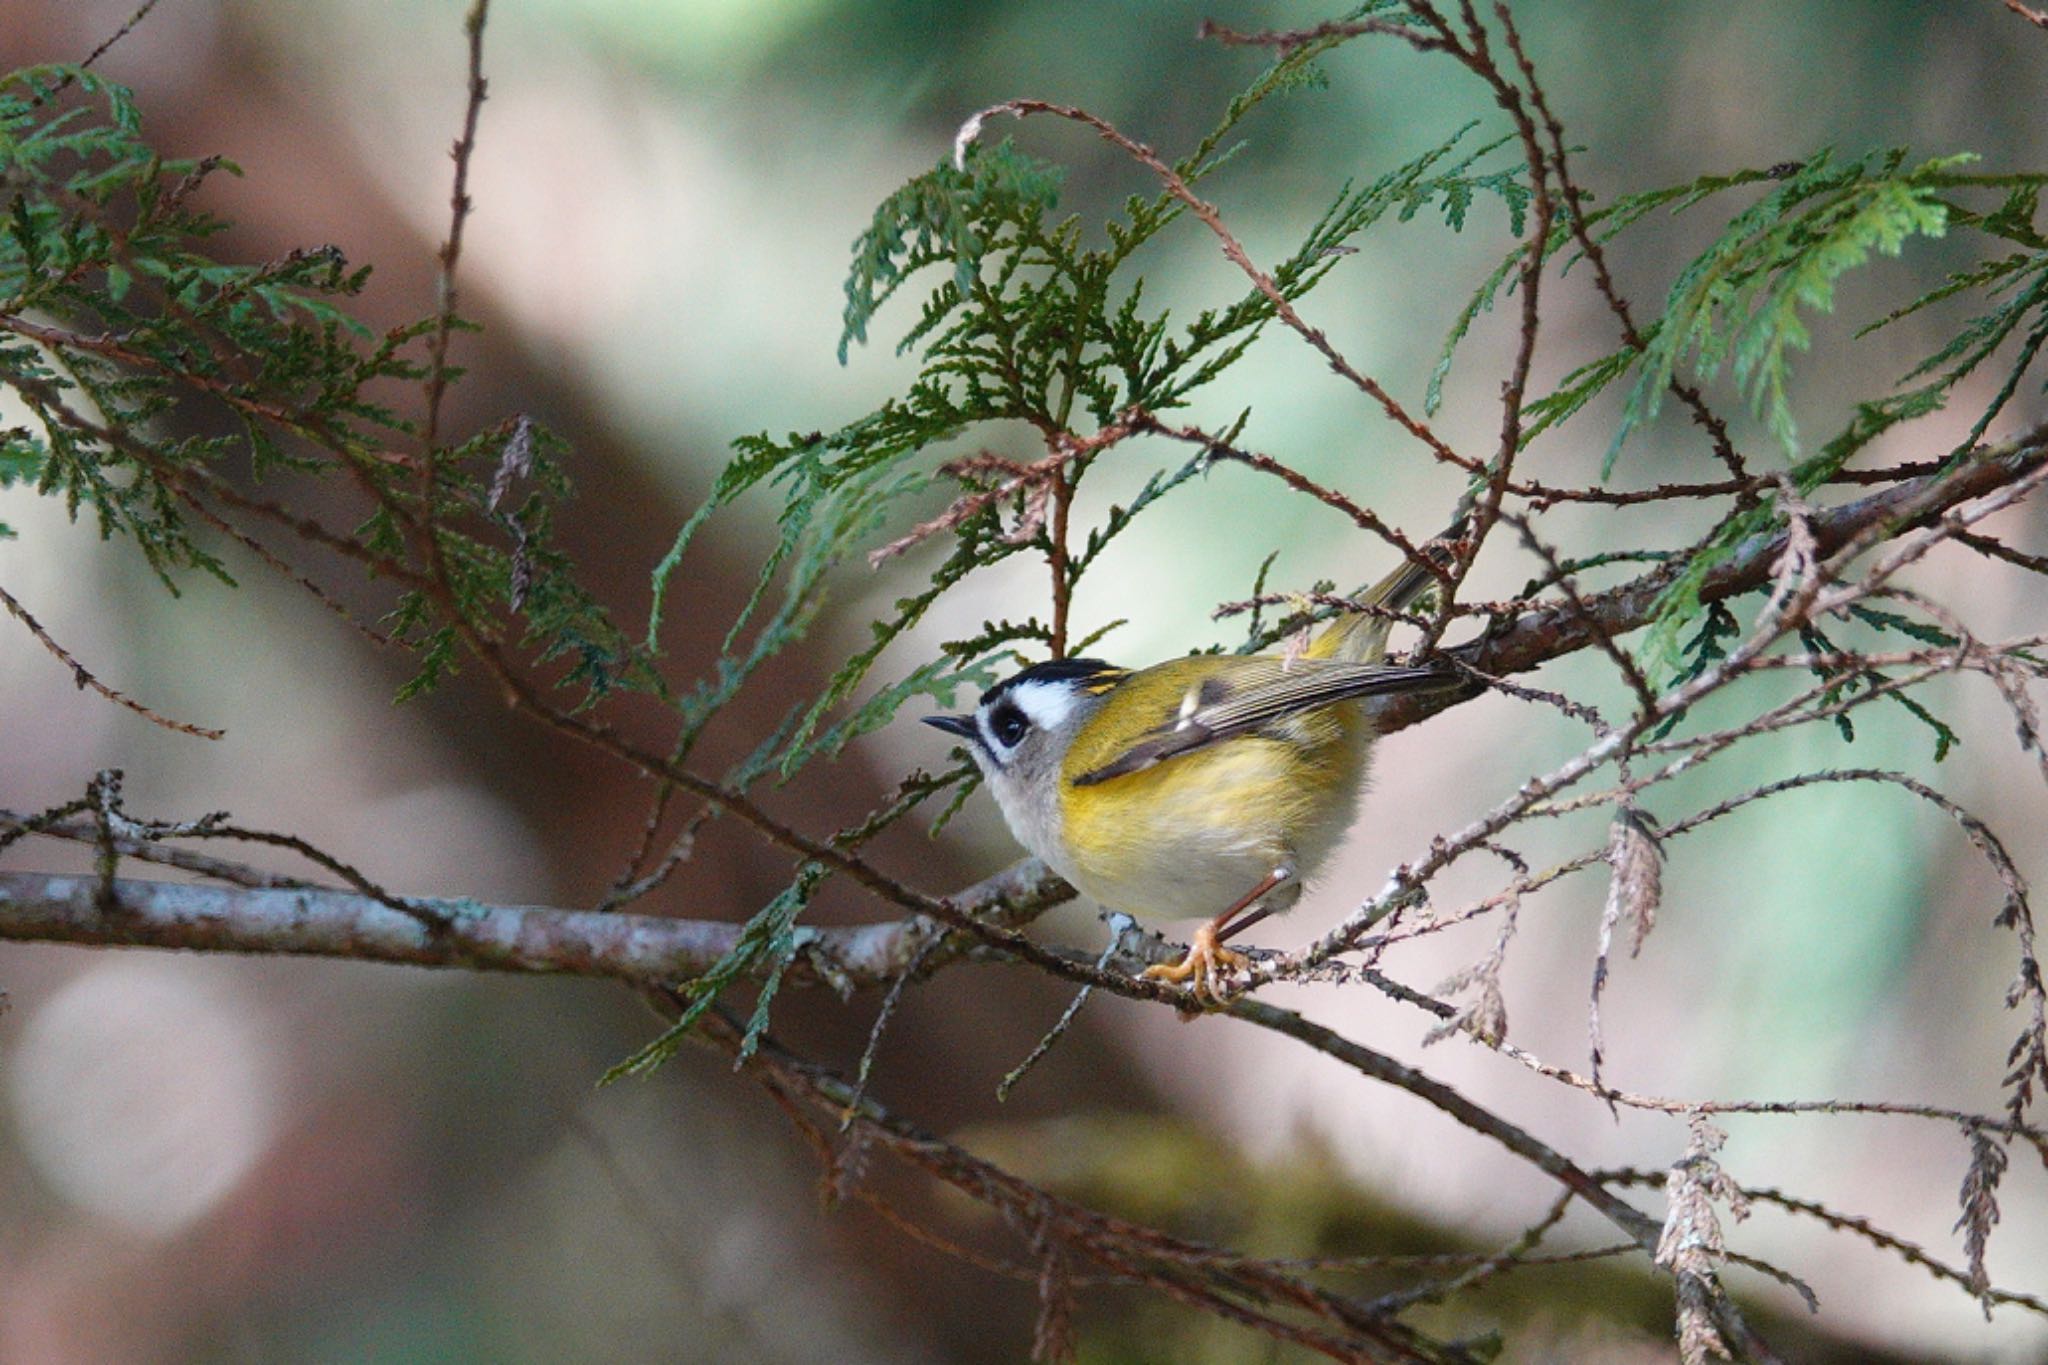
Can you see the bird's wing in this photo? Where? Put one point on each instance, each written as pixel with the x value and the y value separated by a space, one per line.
pixel 1258 693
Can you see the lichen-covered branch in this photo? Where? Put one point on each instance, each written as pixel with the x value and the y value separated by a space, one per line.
pixel 321 922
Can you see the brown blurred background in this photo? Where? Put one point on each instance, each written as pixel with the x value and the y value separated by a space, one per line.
pixel 228 1159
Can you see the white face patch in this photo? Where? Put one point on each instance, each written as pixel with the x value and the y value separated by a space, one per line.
pixel 1027 708
pixel 1046 704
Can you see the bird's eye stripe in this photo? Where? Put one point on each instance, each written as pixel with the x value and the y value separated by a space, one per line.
pixel 1008 725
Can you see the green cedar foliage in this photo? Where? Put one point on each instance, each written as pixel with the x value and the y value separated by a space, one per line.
pixel 1744 302
pixel 121 332
pixel 115 320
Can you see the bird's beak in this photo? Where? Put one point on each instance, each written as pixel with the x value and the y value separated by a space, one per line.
pixel 962 726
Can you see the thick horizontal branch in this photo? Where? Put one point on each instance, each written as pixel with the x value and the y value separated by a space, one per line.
pixel 1537 637
pixel 315 922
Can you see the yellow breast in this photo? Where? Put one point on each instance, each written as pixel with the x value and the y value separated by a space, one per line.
pixel 1193 835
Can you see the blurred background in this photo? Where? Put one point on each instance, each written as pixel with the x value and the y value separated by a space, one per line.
pixel 208 1159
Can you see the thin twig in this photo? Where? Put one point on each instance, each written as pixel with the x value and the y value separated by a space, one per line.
pixel 2027 12
pixel 127 27
pixel 450 253
pixel 84 678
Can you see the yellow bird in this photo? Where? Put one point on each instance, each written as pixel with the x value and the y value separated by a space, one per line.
pixel 1213 785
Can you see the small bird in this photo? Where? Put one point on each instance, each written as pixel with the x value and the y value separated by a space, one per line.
pixel 1210 785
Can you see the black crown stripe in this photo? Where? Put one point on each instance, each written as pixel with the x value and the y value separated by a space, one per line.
pixel 1094 675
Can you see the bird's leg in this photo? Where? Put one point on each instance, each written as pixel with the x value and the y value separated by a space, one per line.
pixel 1208 962
pixel 1238 918
pixel 1248 919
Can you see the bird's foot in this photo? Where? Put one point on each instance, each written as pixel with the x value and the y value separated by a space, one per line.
pixel 1206 969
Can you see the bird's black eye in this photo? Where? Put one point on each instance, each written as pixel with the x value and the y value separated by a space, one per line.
pixel 1008 726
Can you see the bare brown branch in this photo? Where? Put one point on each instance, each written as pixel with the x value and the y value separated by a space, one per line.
pixel 2027 12
pixel 84 678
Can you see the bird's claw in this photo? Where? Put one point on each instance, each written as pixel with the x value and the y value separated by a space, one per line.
pixel 1206 969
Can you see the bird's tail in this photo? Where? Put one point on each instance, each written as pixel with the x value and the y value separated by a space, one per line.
pixel 1361 636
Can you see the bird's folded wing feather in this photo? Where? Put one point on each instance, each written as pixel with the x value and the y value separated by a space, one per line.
pixel 1258 693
